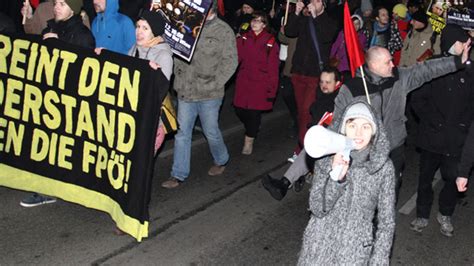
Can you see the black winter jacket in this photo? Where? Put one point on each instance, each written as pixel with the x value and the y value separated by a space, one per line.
pixel 71 31
pixel 444 107
pixel 467 156
pixel 305 60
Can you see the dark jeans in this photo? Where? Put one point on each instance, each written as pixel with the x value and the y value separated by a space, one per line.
pixel 429 164
pixel 251 120
pixel 397 155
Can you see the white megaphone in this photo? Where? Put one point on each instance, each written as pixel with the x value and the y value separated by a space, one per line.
pixel 320 141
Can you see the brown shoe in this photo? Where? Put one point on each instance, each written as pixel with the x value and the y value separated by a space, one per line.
pixel 216 170
pixel 171 183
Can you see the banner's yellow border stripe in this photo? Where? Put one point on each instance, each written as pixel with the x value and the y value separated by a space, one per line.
pixel 19 179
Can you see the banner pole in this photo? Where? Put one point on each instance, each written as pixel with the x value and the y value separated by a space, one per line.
pixel 365 84
pixel 286 11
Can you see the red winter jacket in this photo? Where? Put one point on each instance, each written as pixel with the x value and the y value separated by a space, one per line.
pixel 257 77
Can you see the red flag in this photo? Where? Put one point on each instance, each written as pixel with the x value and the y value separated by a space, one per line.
pixel 220 7
pixel 354 51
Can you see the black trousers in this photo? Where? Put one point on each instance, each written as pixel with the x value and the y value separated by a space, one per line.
pixel 429 164
pixel 397 155
pixel 251 120
pixel 288 94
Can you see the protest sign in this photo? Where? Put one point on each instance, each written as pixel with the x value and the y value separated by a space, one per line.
pixel 185 19
pixel 464 18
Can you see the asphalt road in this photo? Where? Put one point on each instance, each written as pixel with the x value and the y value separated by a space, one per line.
pixel 224 220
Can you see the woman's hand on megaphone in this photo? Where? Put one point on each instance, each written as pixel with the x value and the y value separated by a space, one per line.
pixel 339 161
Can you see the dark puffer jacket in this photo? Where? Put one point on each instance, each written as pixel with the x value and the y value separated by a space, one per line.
pixel 341 229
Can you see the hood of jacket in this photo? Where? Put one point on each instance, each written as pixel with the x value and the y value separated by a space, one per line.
pixel 111 9
pixel 379 147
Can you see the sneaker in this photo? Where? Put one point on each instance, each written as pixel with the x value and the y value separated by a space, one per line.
pixel 446 228
pixel 216 170
pixel 171 183
pixel 277 187
pixel 293 157
pixel 35 200
pixel 419 224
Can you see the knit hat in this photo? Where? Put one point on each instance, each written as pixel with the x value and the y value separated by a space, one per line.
pixel 420 16
pixel 361 21
pixel 358 110
pixel 156 21
pixel 365 5
pixel 253 3
pixel 400 10
pixel 450 34
pixel 75 5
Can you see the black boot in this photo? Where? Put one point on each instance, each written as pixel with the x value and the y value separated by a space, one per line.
pixel 276 187
pixel 299 183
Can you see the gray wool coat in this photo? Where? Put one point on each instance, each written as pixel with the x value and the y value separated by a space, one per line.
pixel 341 230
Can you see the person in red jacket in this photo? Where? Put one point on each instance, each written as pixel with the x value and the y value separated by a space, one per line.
pixel 257 76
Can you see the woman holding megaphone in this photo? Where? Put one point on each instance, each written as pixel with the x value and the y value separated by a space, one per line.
pixel 341 229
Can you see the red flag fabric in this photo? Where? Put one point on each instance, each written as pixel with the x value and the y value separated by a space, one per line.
pixel 34 3
pixel 354 51
pixel 220 7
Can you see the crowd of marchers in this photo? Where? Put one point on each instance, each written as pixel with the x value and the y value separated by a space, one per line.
pixel 297 49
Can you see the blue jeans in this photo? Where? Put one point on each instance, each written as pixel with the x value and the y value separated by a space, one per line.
pixel 208 112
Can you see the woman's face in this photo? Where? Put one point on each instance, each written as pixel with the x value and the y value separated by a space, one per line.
pixel 143 32
pixel 356 23
pixel 257 25
pixel 360 130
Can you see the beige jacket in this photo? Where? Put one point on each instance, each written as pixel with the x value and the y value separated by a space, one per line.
pixel 416 44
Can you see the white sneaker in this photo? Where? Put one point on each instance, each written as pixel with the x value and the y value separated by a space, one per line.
pixel 293 157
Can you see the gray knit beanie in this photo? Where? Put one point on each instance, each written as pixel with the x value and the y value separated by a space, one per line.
pixel 358 110
pixel 365 5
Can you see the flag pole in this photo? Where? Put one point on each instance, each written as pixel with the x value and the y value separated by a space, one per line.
pixel 365 84
pixel 25 3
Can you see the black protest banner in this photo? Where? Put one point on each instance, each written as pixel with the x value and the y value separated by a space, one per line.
pixel 185 19
pixel 79 126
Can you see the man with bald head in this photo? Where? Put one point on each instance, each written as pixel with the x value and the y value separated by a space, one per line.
pixel 388 87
